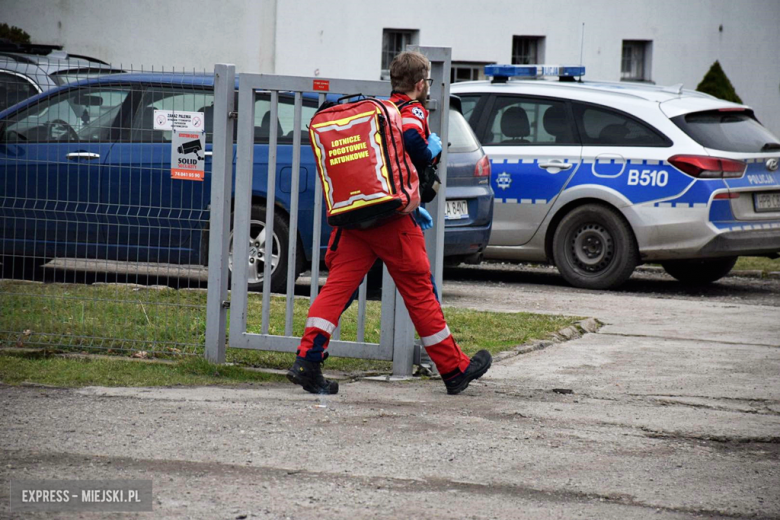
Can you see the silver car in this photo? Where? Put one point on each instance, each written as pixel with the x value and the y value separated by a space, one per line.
pixel 598 178
pixel 30 70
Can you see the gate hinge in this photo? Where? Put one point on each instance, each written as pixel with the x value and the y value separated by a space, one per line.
pixel 233 115
pixel 226 304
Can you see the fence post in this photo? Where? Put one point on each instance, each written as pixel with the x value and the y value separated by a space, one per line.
pixel 219 224
pixel 438 122
pixel 403 351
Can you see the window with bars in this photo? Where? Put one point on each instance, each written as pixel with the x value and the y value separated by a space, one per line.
pixel 636 60
pixel 527 50
pixel 467 71
pixel 394 41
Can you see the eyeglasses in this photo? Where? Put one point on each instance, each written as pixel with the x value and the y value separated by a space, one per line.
pixel 430 81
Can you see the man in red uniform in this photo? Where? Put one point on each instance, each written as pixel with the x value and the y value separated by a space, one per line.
pixel 400 244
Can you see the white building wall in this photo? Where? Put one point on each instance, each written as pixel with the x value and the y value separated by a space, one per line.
pixel 343 38
pixel 160 33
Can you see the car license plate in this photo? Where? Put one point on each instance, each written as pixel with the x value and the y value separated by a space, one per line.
pixel 767 201
pixel 456 210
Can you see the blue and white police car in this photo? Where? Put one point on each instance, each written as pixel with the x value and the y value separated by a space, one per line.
pixel 598 178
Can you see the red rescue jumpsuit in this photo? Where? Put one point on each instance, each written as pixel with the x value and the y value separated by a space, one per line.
pixel 401 246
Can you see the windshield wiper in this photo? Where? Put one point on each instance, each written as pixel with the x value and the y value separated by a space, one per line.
pixel 770 146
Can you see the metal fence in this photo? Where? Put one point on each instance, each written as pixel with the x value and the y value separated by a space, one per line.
pixel 105 205
pixel 102 246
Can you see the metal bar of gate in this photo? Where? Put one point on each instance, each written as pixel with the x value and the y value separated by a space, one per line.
pixel 295 195
pixel 273 141
pixel 241 213
pixel 438 121
pixel 219 225
pixel 317 239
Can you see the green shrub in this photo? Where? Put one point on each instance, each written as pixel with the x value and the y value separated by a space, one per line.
pixel 717 84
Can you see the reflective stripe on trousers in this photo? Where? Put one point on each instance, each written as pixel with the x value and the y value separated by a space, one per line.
pixel 401 246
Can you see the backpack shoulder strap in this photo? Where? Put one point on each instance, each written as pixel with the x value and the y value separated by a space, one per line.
pixel 406 103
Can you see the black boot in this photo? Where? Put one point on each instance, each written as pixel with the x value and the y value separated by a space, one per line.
pixel 476 369
pixel 308 374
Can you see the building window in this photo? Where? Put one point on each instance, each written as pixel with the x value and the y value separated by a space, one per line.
pixel 467 71
pixel 527 50
pixel 394 41
pixel 636 61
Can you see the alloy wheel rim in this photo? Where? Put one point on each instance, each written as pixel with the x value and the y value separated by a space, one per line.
pixel 257 257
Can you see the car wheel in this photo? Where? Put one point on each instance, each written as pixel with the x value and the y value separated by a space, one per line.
pixel 257 254
pixel 594 248
pixel 453 261
pixel 700 272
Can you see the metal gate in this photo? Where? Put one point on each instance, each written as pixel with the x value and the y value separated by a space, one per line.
pixel 397 333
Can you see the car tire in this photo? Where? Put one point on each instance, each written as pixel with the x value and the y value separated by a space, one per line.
pixel 594 248
pixel 257 255
pixel 702 271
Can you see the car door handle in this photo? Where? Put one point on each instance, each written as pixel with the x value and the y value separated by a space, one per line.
pixel 83 155
pixel 556 164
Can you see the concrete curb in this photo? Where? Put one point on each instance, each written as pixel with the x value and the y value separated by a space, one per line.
pixel 575 331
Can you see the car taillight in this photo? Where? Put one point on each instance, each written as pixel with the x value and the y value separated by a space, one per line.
pixel 483 167
pixel 706 167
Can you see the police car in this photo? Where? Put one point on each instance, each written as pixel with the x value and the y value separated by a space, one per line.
pixel 598 178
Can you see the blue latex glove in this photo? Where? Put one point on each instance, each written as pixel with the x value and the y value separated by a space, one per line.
pixel 424 219
pixel 434 145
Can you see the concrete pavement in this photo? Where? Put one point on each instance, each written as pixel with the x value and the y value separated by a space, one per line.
pixel 674 413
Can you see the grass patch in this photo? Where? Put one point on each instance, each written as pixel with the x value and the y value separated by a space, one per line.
pixel 757 263
pixel 78 372
pixel 168 323
pixel 105 318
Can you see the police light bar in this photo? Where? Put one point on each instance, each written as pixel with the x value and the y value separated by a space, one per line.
pixel 511 71
pixel 501 73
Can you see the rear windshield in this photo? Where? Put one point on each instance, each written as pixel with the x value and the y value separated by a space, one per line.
pixel 461 138
pixel 728 131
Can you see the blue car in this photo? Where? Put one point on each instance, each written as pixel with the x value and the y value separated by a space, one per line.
pixel 85 174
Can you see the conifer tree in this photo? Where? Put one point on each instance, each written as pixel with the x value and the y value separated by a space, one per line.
pixel 13 34
pixel 717 84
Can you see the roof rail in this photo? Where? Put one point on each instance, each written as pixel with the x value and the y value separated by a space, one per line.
pixel 88 58
pixel 28 48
